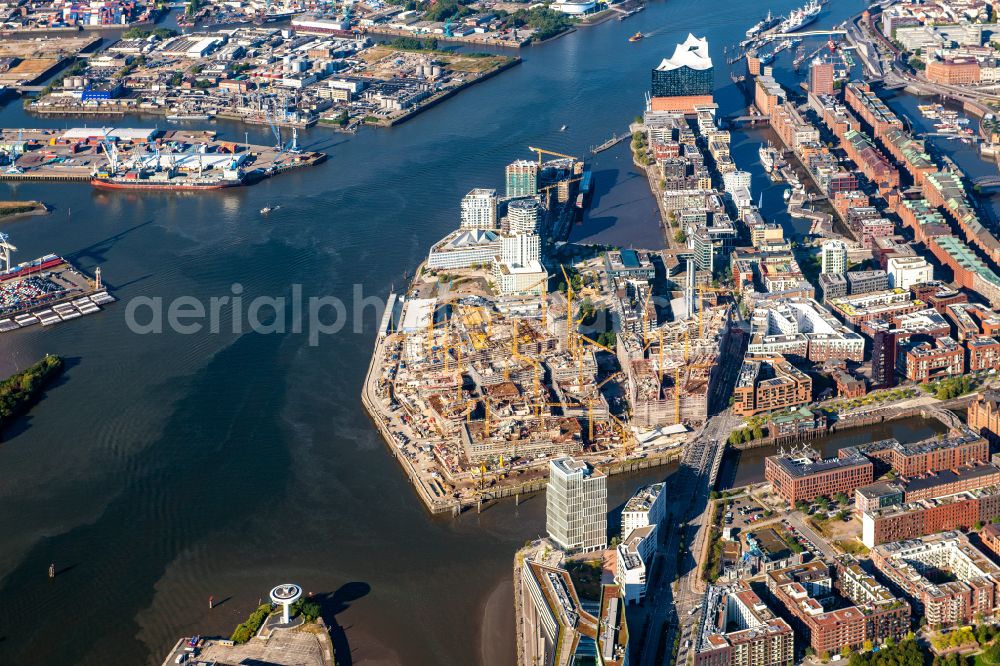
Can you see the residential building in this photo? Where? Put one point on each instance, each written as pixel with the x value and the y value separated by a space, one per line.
pixel 923 361
pixel 802 327
pixel 634 559
pixel 961 511
pixel 522 178
pixel 479 209
pixel 936 454
pixel 884 360
pixel 984 353
pixel 770 383
pixel 523 216
pixel 743 631
pixel 806 590
pixel 904 272
pixel 833 285
pixel 645 507
pixel 917 567
pixel 834 257
pixel 866 282
pixel 856 309
pixel 576 500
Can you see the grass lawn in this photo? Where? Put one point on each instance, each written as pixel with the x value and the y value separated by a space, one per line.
pixel 852 547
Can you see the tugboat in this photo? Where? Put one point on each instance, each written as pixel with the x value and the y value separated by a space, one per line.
pixel 636 37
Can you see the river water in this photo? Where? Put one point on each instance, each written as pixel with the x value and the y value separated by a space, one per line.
pixel 167 468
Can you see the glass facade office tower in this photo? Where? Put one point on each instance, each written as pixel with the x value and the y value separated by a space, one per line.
pixel 576 501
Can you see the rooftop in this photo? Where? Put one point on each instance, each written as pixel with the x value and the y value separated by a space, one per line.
pixel 693 53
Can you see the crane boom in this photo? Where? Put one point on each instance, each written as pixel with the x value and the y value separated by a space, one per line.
pixel 542 151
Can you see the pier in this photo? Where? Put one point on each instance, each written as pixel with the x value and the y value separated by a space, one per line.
pixel 607 145
pixel 145 158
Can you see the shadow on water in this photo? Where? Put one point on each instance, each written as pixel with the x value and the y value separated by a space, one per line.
pixel 332 605
pixel 116 286
pixel 604 181
pixel 98 251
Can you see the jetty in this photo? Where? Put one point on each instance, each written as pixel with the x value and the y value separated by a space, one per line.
pixel 610 143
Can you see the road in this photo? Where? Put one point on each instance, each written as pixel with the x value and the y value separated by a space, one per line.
pixel 796 520
pixel 675 587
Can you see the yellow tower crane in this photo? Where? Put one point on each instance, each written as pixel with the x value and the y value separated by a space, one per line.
pixel 515 329
pixel 677 394
pixel 590 407
pixel 542 151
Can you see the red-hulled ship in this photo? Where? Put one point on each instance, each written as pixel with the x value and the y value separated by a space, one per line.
pixel 177 184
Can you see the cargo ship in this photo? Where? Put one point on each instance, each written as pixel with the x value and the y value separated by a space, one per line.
pixel 29 267
pixel 178 184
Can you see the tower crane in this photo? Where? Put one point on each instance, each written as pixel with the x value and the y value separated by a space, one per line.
pixel 516 332
pixel 590 407
pixel 542 151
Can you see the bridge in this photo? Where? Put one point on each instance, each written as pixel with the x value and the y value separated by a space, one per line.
pixel 987 182
pixel 737 120
pixel 805 33
pixel 950 135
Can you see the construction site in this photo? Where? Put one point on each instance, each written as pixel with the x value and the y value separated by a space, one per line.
pixel 474 401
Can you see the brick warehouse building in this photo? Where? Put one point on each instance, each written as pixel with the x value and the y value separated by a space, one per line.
pixel 926 456
pixel 805 478
pixel 960 511
pixel 984 415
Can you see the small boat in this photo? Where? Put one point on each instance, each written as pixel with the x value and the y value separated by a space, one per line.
pixel 636 37
pixel 562 129
pixel 267 209
pixel 787 195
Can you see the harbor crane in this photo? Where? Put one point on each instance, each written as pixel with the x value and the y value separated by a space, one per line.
pixel 111 151
pixel 542 151
pixel 6 248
